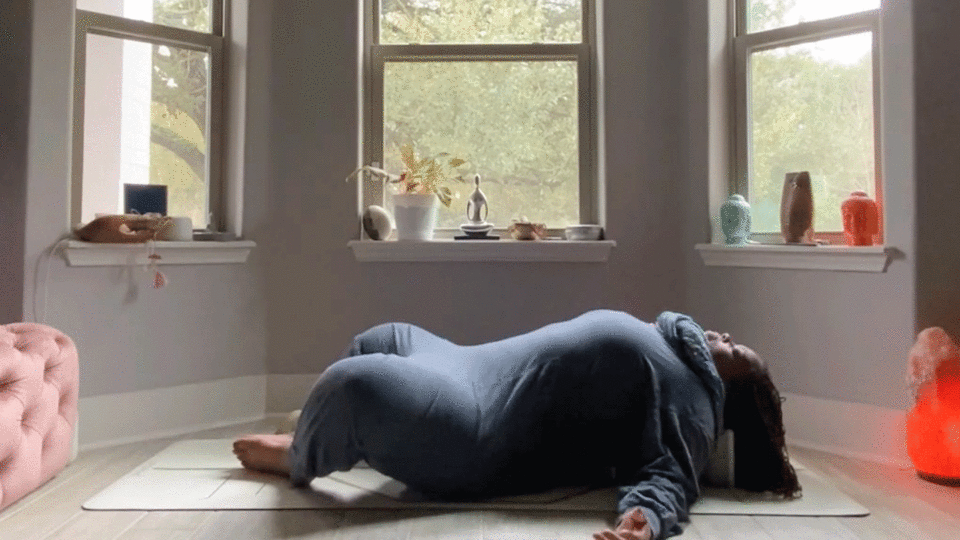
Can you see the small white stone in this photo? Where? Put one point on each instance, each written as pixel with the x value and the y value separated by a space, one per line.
pixel 377 222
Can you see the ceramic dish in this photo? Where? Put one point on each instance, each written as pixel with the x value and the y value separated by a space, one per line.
pixel 584 232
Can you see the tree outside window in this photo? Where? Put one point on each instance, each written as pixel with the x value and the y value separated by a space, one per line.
pixel 147 103
pixel 514 110
pixel 808 87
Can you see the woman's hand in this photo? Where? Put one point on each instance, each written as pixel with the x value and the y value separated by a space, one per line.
pixel 633 526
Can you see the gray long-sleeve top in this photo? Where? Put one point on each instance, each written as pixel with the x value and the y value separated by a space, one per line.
pixel 607 399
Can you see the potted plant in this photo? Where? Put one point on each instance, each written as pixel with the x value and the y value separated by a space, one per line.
pixel 420 186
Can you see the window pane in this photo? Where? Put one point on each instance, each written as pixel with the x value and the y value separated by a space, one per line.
pixel 515 122
pixel 769 14
pixel 812 110
pixel 480 21
pixel 145 122
pixel 188 14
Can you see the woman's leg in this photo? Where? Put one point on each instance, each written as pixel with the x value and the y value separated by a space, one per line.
pixel 401 339
pixel 406 417
pixel 329 403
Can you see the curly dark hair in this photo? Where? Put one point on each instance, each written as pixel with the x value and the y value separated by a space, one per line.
pixel 752 411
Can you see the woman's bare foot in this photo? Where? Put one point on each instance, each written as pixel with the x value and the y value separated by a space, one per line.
pixel 264 453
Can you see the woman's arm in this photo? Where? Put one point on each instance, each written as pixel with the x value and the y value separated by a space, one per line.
pixel 657 503
pixel 632 525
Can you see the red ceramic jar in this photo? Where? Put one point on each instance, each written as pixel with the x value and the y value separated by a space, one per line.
pixel 861 219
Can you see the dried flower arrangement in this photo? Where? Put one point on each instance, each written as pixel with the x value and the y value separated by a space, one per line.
pixel 426 175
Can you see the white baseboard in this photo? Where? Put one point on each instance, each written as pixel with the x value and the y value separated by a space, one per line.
pixel 848 429
pixel 166 412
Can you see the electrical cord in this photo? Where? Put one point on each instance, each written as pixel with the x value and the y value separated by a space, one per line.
pixel 49 253
pixel 159 281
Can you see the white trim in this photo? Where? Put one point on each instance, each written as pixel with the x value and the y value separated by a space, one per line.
pixel 805 32
pixel 856 430
pixel 196 252
pixel 115 419
pixel 798 257
pixel 482 251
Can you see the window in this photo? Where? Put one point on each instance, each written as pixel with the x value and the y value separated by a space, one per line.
pixel 148 105
pixel 505 84
pixel 807 100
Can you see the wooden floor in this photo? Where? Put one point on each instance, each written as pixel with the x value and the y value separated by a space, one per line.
pixel 901 505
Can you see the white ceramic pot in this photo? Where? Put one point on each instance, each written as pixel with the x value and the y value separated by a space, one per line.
pixel 415 215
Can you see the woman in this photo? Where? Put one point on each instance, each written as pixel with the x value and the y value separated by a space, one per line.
pixel 603 399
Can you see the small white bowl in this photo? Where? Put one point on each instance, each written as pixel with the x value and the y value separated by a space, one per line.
pixel 584 232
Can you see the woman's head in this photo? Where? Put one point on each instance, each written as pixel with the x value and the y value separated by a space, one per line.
pixel 752 410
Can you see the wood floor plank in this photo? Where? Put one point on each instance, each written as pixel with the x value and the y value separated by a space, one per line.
pixel 95 525
pixel 446 525
pixel 528 525
pixel 155 534
pixel 912 507
pixel 308 524
pixel 50 512
pixel 804 528
pixel 710 527
pixel 238 525
pixel 877 526
pixel 902 507
pixel 173 520
pixel 82 465
pixel 690 532
pixel 375 525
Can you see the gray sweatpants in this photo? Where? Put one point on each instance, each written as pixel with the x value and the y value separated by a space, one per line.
pixel 401 400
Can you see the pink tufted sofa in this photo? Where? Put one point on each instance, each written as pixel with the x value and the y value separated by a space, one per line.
pixel 39 379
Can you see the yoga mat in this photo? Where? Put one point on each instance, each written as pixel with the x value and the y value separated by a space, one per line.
pixel 204 475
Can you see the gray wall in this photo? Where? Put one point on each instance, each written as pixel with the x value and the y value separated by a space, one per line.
pixel 15 34
pixel 320 296
pixel 825 334
pixel 207 323
pixel 832 335
pixel 937 79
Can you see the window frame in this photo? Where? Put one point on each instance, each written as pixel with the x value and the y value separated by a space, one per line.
pixel 745 43
pixel 212 43
pixel 374 57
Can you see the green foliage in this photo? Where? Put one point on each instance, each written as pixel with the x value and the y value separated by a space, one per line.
pixel 767 14
pixel 480 21
pixel 178 156
pixel 515 122
pixel 815 113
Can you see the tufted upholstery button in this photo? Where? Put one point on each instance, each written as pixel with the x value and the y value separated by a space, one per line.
pixel 39 380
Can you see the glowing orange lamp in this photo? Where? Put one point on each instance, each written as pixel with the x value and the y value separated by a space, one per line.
pixel 933 425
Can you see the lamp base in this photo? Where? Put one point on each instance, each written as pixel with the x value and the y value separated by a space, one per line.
pixel 937 479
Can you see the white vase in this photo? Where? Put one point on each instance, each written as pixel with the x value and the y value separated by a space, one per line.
pixel 415 215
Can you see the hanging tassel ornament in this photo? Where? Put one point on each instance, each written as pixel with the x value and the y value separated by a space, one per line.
pixel 159 279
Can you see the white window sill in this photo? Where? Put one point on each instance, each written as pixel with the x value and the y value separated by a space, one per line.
pixel 80 253
pixel 442 250
pixel 827 257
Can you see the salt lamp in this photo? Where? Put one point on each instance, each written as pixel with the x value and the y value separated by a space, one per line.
pixel 933 424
